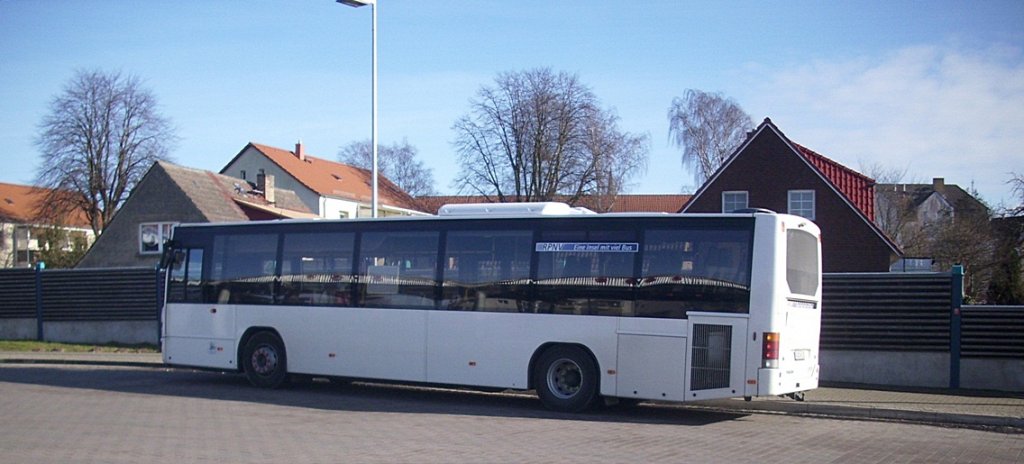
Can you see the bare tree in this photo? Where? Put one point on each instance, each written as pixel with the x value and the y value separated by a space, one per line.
pixel 617 157
pixel 537 135
pixel 102 134
pixel 1017 182
pixel 894 211
pixel 397 162
pixel 708 127
pixel 965 239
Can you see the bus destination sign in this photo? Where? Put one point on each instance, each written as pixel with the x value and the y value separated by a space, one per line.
pixel 587 247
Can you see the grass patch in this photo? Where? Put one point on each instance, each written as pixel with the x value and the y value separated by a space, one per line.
pixel 51 347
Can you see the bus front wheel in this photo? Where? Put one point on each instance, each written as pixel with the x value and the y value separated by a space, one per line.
pixel 264 360
pixel 566 378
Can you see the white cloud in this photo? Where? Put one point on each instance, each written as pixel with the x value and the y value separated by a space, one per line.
pixel 944 111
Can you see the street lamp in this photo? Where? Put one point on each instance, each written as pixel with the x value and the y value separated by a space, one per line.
pixel 373 98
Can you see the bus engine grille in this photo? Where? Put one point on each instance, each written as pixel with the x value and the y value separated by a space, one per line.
pixel 712 352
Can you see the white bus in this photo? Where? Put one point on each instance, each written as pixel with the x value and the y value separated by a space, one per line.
pixel 581 307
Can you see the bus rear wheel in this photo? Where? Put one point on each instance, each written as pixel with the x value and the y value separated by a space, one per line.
pixel 264 360
pixel 566 379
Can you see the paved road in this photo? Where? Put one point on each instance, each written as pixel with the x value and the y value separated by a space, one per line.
pixel 71 414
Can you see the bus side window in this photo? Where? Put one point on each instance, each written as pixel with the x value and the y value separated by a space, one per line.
pixel 596 281
pixel 194 276
pixel 398 269
pixel 186 276
pixel 694 270
pixel 487 270
pixel 245 269
pixel 316 269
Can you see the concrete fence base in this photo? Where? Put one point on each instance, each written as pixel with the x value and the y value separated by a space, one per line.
pixel 90 332
pixel 894 368
pixel 18 329
pixel 100 332
pixel 992 374
pixel 918 369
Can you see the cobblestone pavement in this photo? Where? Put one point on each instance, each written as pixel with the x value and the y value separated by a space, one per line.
pixel 113 414
pixel 960 408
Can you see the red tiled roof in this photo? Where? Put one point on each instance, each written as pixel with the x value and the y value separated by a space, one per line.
pixel 334 179
pixel 644 203
pixel 19 203
pixel 858 188
pixel 625 203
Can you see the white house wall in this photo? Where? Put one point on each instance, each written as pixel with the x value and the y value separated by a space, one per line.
pixel 334 208
pixel 6 245
pixel 251 161
pixel 935 207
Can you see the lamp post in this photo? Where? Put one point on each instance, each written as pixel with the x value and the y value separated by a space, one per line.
pixel 373 98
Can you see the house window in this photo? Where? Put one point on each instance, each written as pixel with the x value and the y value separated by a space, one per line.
pixel 152 236
pixel 732 201
pixel 801 203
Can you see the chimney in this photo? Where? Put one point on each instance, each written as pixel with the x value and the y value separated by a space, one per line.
pixel 298 151
pixel 938 184
pixel 265 184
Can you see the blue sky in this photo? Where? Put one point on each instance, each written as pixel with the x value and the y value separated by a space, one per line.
pixel 933 87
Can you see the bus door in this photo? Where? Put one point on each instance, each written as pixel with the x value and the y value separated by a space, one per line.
pixel 196 332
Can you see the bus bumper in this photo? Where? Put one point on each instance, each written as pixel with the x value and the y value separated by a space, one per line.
pixel 780 381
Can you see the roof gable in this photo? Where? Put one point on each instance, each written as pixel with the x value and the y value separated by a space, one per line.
pixel 854 189
pixel 333 179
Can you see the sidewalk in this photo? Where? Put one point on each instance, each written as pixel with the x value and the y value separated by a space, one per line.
pixel 947 407
pixel 96 359
pixel 953 407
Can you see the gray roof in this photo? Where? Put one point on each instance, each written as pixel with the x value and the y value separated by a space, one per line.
pixel 221 198
pixel 958 198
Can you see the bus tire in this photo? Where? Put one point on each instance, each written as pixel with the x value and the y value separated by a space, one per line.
pixel 565 377
pixel 264 360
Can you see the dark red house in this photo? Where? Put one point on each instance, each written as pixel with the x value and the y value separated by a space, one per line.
pixel 770 171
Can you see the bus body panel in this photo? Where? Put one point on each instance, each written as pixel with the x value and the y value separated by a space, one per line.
pixel 794 317
pixel 718 348
pixel 495 349
pixel 202 335
pixel 350 342
pixel 651 359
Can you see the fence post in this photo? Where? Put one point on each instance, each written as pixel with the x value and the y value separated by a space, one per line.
pixel 39 300
pixel 957 300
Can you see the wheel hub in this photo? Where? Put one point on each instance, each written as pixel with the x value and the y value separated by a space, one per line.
pixel 264 360
pixel 564 378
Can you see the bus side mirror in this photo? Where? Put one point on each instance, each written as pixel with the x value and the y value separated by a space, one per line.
pixel 172 255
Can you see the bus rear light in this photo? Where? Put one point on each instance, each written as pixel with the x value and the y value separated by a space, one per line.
pixel 770 350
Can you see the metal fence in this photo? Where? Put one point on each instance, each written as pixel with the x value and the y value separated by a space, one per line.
pixel 887 311
pixel 17 293
pixel 100 295
pixel 80 295
pixel 992 332
pixel 868 312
